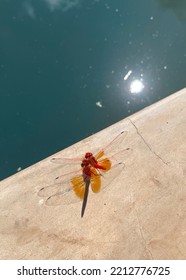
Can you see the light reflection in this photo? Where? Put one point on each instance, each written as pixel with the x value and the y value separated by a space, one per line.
pixel 136 86
pixel 99 104
pixel 127 75
pixel 64 5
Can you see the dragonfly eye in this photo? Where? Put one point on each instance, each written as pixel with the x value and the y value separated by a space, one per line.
pixel 87 155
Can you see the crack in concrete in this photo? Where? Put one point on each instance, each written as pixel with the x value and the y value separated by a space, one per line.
pixel 147 143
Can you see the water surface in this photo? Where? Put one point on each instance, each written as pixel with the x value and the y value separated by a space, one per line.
pixel 71 68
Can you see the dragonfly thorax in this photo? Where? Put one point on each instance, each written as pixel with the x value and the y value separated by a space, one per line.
pixel 85 162
pixel 86 173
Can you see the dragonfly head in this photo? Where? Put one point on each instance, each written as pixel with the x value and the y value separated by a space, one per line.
pixel 88 155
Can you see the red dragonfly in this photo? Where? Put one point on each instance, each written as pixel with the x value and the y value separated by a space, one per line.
pixel 96 171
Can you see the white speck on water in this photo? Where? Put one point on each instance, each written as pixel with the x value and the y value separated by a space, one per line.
pixel 99 104
pixel 127 75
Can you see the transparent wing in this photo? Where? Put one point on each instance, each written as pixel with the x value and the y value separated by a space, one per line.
pixel 69 190
pixel 112 147
pixel 72 189
pixel 117 157
pixel 106 178
pixel 64 161
pixel 113 150
pixel 64 177
pixel 58 194
pixel 67 165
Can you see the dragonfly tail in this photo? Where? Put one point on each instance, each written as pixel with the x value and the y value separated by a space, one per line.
pixel 85 198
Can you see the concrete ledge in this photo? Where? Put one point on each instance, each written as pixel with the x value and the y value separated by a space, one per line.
pixel 141 215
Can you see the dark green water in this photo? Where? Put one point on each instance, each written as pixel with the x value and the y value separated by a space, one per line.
pixel 63 67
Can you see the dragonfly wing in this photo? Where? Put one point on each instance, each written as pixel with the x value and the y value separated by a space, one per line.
pixel 107 178
pixel 95 180
pixel 61 183
pixel 67 165
pixel 68 191
pixel 108 163
pixel 50 190
pixel 119 156
pixel 59 193
pixel 112 147
pixel 64 161
pixel 69 175
pixel 62 198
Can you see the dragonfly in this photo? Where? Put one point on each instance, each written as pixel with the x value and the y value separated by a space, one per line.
pixel 97 171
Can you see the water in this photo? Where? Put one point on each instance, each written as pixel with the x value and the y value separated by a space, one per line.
pixel 71 68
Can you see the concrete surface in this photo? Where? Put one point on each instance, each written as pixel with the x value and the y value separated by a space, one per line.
pixel 141 215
